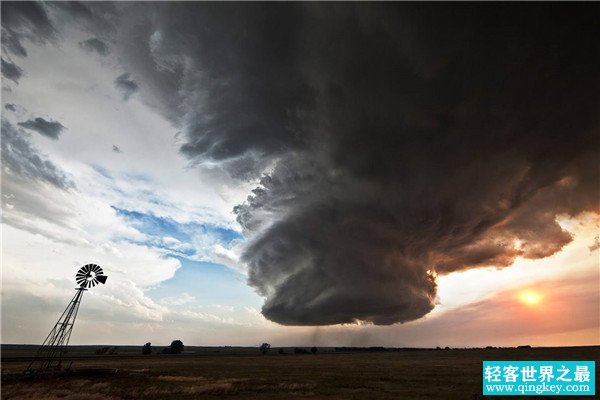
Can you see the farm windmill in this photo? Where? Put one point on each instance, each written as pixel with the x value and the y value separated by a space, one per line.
pixel 49 355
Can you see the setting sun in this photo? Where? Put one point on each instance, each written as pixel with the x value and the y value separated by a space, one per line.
pixel 530 297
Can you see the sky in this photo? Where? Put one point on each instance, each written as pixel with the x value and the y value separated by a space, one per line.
pixel 330 174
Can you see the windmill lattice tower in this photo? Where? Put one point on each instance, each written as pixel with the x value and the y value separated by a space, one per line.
pixel 49 356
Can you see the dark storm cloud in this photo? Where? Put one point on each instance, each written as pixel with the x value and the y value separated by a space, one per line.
pixel 406 139
pixel 21 158
pixel 254 93
pixel 75 8
pixel 95 45
pixel 596 245
pixel 51 129
pixel 12 43
pixel 227 74
pixel 38 21
pixel 10 107
pixel 98 18
pixel 24 20
pixel 11 71
pixel 126 86
pixel 116 149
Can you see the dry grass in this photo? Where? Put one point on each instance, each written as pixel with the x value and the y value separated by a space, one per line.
pixel 65 390
pixel 176 378
pixel 452 374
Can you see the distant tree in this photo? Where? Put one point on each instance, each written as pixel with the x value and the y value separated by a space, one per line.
pixel 166 350
pixel 103 350
pixel 281 351
pixel 264 348
pixel 313 350
pixel 299 350
pixel 176 347
pixel 147 349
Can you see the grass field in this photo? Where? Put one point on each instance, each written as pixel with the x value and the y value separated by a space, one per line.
pixel 205 373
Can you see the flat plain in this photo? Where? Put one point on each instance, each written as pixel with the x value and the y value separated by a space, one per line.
pixel 244 373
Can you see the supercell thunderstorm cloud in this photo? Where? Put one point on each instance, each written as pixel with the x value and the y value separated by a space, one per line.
pixel 391 142
pixel 406 143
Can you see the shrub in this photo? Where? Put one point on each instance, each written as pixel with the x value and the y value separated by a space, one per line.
pixel 176 347
pixel 147 349
pixel 264 348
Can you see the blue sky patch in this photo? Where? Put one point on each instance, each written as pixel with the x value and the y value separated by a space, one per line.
pixel 189 240
pixel 209 283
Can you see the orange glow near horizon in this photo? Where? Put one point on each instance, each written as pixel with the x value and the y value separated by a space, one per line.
pixel 530 297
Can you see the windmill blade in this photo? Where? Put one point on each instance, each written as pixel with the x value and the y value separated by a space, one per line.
pixel 80 278
pixel 102 278
pixel 97 269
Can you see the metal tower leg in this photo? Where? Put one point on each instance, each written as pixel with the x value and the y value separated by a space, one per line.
pixel 49 355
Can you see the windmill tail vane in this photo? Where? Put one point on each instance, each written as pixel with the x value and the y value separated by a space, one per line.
pixel 50 354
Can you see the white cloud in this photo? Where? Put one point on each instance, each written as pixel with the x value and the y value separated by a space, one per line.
pixel 177 300
pixel 49 232
pixel 230 255
pixel 77 89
